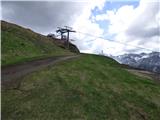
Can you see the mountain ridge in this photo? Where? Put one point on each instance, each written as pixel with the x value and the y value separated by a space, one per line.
pixel 145 61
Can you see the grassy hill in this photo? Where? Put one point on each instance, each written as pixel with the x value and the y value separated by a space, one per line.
pixel 20 44
pixel 86 88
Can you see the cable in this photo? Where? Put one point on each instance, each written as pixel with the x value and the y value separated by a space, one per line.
pixel 115 41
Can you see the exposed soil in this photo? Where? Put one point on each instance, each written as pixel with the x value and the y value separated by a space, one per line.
pixel 10 75
pixel 146 74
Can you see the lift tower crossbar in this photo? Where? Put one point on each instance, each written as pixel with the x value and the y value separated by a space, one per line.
pixel 67 30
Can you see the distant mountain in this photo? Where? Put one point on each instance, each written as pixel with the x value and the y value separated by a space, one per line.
pixel 146 61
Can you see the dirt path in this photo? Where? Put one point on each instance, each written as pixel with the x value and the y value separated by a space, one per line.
pixel 10 75
pixel 146 74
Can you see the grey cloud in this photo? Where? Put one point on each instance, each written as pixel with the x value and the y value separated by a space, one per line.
pixel 139 28
pixel 133 50
pixel 143 33
pixel 145 28
pixel 41 16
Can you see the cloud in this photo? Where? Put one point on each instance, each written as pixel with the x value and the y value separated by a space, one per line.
pixel 84 24
pixel 135 26
pixel 45 16
pixel 145 24
pixel 41 16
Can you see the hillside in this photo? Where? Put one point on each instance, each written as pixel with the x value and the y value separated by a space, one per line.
pixel 20 44
pixel 89 87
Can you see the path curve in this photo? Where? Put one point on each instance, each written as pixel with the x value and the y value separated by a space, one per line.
pixel 10 74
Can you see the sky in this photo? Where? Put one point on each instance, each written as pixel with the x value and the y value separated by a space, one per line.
pixel 113 27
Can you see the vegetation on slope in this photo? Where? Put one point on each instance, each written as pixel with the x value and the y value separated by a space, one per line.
pixel 89 88
pixel 20 44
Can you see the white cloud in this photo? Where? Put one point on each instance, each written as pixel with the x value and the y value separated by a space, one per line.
pixel 84 24
pixel 134 26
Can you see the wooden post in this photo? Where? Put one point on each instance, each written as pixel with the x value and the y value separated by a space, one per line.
pixel 68 39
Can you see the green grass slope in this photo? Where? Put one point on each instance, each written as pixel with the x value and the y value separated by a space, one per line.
pixel 20 44
pixel 86 88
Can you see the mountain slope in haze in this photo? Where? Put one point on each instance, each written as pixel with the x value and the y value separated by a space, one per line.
pixel 20 44
pixel 89 87
pixel 150 61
